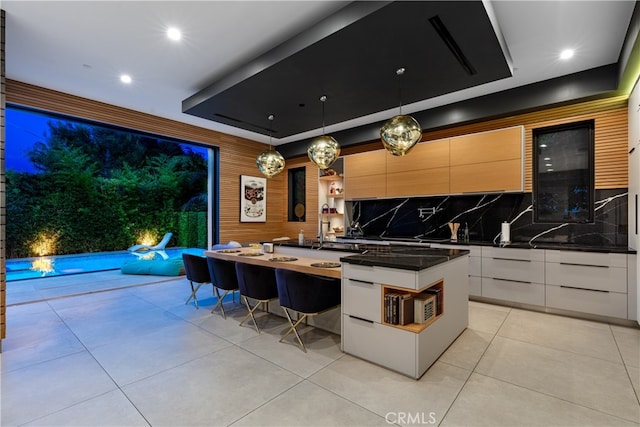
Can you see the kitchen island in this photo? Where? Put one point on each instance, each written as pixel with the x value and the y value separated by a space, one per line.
pixel 369 328
pixel 380 289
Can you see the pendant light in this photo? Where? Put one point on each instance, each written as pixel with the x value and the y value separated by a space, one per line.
pixel 323 150
pixel 270 162
pixel 400 133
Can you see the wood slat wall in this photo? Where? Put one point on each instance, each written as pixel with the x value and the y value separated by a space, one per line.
pixel 237 155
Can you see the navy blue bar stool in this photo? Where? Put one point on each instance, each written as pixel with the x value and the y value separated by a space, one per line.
pixel 306 294
pixel 258 283
pixel 197 271
pixel 223 275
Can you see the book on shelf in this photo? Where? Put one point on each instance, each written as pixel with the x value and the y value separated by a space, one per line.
pixel 398 308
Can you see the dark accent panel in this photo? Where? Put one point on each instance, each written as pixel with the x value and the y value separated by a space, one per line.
pixel 630 52
pixel 594 83
pixel 297 194
pixel 360 80
pixel 428 217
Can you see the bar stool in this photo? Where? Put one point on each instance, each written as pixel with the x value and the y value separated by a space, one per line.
pixel 306 294
pixel 197 271
pixel 223 276
pixel 259 283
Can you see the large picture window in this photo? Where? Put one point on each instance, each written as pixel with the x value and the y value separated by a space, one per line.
pixel 563 179
pixel 87 187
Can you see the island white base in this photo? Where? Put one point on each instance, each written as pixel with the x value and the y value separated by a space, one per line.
pixel 366 335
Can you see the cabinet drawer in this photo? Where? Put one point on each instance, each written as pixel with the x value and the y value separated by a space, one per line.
pixel 611 304
pixel 475 286
pixel 387 346
pixel 362 299
pixel 508 290
pixel 601 278
pixel 475 266
pixel 587 258
pixel 513 253
pixel 382 275
pixel 520 269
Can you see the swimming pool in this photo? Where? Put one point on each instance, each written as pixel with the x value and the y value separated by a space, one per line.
pixel 57 265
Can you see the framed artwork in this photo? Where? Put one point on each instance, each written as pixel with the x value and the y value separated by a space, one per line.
pixel 253 199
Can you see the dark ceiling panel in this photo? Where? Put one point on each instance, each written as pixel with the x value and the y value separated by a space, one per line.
pixel 356 68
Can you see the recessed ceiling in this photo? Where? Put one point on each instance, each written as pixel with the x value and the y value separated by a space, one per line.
pixel 82 48
pixel 444 47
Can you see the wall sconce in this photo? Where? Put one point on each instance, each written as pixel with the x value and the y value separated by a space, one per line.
pixel 270 162
pixel 400 133
pixel 323 150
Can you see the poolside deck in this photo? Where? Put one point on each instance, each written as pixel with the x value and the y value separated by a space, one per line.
pixel 46 288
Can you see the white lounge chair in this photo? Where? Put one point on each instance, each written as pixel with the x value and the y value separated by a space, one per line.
pixel 159 247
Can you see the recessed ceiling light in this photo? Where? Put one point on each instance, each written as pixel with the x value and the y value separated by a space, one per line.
pixel 548 164
pixel 549 170
pixel 547 158
pixel 543 145
pixel 174 33
pixel 125 78
pixel 566 54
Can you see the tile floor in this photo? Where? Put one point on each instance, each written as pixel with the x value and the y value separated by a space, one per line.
pixel 138 356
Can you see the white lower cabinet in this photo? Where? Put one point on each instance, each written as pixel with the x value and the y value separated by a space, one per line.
pixel 475 265
pixel 408 349
pixel 513 275
pixel 587 282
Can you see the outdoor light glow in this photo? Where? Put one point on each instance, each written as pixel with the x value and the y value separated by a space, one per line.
pixel 566 54
pixel 43 265
pixel 174 34
pixel 45 243
pixel 148 237
pixel 125 78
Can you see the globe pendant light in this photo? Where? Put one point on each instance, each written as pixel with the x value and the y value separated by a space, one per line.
pixel 270 162
pixel 400 133
pixel 323 150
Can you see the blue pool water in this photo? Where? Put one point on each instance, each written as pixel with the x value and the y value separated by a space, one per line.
pixel 23 268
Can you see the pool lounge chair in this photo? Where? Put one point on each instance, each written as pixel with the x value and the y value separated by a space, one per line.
pixel 159 247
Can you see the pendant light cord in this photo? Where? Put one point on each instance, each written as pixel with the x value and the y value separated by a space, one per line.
pixel 270 130
pixel 323 98
pixel 400 73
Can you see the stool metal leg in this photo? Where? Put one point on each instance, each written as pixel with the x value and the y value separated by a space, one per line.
pixel 293 328
pixel 219 303
pixel 250 314
pixel 193 294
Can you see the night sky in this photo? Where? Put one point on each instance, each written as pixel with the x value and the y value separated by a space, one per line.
pixel 24 128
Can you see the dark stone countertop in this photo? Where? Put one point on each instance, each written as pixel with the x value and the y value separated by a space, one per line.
pixel 405 258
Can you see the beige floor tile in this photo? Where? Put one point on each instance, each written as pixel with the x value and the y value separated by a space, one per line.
pixel 322 348
pixel 35 334
pixel 466 351
pixel 214 390
pixel 486 318
pixel 486 401
pixel 131 359
pixel 628 340
pixel 229 328
pixel 109 409
pixel 307 404
pixel 562 333
pixel 385 392
pixel 583 380
pixel 634 375
pixel 42 389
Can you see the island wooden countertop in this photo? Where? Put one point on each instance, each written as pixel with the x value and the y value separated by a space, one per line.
pixel 301 264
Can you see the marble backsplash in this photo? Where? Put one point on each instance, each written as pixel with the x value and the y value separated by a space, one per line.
pixel 428 218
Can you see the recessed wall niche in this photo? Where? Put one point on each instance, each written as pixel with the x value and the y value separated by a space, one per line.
pixel 297 206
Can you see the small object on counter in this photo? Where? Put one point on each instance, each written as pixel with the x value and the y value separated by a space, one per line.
pixel 301 238
pixel 267 248
pixel 465 237
pixel 505 234
pixel 280 239
pixel 453 226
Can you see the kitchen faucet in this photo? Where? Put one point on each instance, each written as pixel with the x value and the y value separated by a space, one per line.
pixel 322 222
